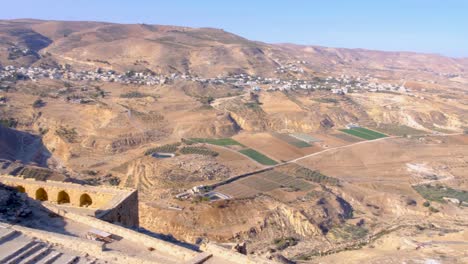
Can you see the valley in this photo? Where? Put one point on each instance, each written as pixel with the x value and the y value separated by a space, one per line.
pixel 304 153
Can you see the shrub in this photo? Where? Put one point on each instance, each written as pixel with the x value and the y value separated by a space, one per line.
pixel 133 94
pixel 67 134
pixel 10 122
pixel 206 100
pixel 285 242
pixel 38 103
pixel 426 204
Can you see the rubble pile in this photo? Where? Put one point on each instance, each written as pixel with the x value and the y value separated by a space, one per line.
pixel 13 205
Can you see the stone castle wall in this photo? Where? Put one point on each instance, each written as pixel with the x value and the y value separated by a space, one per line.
pixel 115 205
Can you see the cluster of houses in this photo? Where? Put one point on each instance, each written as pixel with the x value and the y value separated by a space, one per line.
pixel 34 73
pixel 291 67
pixel 337 85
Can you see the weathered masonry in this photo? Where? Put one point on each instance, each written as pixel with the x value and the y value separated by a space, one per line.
pixel 115 205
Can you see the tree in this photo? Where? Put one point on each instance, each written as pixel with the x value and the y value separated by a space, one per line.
pixel 38 103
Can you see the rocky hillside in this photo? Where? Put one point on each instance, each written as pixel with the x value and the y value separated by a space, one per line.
pixel 206 52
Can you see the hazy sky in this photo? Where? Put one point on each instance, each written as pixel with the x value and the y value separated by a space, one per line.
pixel 434 26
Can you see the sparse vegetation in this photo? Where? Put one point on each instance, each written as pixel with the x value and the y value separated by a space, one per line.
pixel 284 242
pixel 199 199
pixel 314 176
pixel 253 105
pixel 325 100
pixel 349 232
pixel 438 192
pixel 199 151
pixel 36 173
pixel 134 94
pixel 67 134
pixel 9 122
pixel 206 100
pixel 168 148
pixel 216 141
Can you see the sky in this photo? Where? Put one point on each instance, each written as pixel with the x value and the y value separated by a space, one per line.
pixel 429 26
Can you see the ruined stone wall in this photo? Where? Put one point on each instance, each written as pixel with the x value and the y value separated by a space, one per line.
pixel 110 204
pixel 125 213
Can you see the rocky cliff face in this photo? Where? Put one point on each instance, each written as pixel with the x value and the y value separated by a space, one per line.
pixel 22 146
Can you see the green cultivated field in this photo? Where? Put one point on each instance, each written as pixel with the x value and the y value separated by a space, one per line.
pixel 259 157
pixel 370 132
pixel 438 192
pixel 363 133
pixel 217 141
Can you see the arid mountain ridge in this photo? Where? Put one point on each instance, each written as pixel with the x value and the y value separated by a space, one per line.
pixel 206 52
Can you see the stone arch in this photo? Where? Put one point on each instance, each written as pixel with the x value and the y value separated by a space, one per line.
pixel 41 195
pixel 20 189
pixel 85 200
pixel 63 197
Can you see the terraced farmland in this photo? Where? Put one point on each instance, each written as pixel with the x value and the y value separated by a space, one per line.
pixel 257 156
pixel 363 133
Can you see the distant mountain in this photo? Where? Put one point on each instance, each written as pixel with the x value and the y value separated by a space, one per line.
pixel 198 51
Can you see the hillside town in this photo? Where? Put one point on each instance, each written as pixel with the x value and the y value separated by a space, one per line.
pixel 337 85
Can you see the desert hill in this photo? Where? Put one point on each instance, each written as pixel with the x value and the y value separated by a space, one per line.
pixel 164 109
pixel 206 52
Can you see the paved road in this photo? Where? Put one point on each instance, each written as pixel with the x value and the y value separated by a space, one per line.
pixel 237 177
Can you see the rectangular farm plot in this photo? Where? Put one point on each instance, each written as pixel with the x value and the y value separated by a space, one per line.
pixel 370 132
pixel 217 141
pixel 292 140
pixel 283 180
pixel 305 137
pixel 363 133
pixel 346 137
pixel 263 183
pixel 257 156
pixel 274 147
pixel 259 184
pixel 237 190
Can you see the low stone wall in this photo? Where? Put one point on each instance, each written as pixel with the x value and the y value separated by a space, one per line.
pixel 91 247
pixel 142 239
